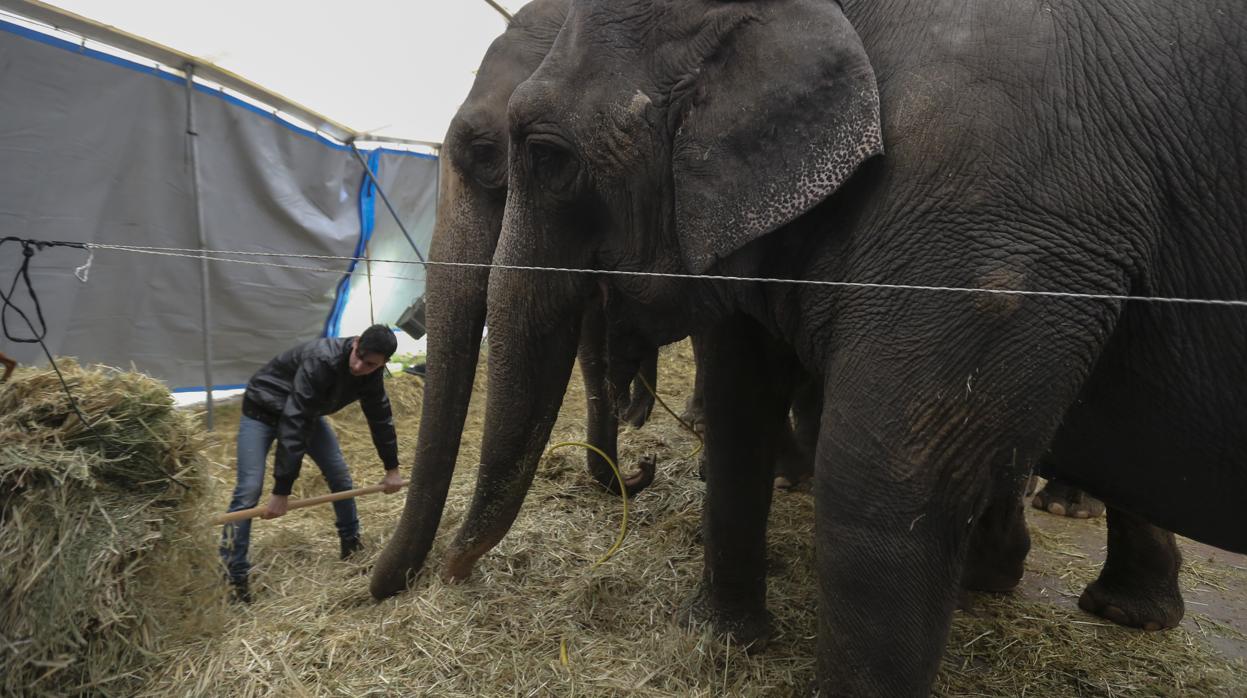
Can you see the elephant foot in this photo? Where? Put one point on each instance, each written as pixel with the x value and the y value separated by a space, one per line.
pixel 995 559
pixel 750 628
pixel 694 415
pixel 635 483
pixel 793 468
pixel 783 483
pixel 1061 499
pixel 1147 609
pixel 638 410
pixel 644 476
pixel 1138 586
pixel 460 563
pixel 991 578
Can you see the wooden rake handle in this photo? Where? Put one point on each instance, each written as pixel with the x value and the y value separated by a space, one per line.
pixel 244 514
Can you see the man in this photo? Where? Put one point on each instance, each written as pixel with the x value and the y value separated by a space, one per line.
pixel 286 401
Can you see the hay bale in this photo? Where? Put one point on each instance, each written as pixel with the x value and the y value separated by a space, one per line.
pixel 95 529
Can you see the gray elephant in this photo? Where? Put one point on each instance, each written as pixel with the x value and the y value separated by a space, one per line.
pixel 473 176
pixel 1032 146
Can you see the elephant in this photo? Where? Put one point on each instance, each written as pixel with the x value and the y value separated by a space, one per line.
pixel 472 196
pixel 958 213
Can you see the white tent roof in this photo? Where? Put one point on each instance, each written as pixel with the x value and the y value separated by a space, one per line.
pixel 394 68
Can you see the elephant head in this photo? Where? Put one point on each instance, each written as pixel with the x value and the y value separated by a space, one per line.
pixel 638 146
pixel 473 193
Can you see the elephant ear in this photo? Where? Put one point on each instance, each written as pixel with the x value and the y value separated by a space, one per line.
pixel 781 109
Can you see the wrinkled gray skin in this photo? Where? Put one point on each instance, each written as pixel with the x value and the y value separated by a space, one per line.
pixel 473 194
pixel 1031 145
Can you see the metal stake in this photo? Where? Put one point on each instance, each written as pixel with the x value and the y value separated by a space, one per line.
pixel 205 308
pixel 386 199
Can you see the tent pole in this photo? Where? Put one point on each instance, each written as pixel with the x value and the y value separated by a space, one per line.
pixel 192 139
pixel 501 10
pixel 386 199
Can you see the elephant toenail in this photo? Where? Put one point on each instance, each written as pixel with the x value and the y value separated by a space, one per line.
pixel 1115 614
pixel 1056 508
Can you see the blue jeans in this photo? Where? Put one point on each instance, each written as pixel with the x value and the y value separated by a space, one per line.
pixel 255 438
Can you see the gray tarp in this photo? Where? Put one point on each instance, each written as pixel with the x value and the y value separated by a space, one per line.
pixel 94 149
pixel 411 185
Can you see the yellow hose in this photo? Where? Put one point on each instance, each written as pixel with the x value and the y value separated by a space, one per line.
pixel 623 490
pixel 623 493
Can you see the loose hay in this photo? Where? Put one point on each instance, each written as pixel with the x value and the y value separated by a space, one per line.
pixel 98 560
pixel 314 630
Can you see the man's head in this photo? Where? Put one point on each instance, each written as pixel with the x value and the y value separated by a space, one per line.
pixel 372 349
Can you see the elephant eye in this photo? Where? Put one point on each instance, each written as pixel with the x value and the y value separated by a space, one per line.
pixel 553 167
pixel 486 162
pixel 484 154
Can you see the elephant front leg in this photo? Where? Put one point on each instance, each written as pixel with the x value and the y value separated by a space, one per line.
pixel 1000 541
pixel 602 424
pixel 889 558
pixel 998 546
pixel 912 453
pixel 745 409
pixel 1138 586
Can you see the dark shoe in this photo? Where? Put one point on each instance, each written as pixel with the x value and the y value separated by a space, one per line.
pixel 350 546
pixel 240 591
pixel 417 370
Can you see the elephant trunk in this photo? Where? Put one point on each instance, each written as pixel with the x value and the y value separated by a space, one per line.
pixel 455 315
pixel 530 363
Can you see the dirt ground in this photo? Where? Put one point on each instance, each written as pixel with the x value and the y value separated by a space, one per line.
pixel 540 618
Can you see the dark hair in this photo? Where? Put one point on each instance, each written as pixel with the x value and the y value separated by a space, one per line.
pixel 377 339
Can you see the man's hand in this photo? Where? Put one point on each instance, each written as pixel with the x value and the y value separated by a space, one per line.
pixel 393 481
pixel 277 506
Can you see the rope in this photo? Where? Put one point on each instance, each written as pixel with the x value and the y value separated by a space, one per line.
pixel 171 251
pixel 701 443
pixel 29 248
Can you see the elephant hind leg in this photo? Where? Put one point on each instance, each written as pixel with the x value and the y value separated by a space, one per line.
pixel 642 399
pixel 998 547
pixel 1138 586
pixel 795 464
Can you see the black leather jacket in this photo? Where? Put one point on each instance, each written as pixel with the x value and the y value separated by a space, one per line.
pixel 307 382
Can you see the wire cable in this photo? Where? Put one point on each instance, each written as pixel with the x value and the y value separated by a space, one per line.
pixel 171 251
